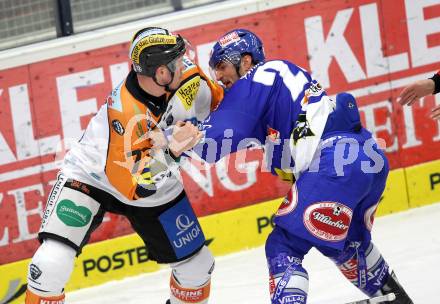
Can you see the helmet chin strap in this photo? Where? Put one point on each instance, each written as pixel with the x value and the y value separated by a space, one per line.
pixel 237 69
pixel 167 85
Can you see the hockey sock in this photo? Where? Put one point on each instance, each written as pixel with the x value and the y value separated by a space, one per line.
pixel 182 295
pixel 191 279
pixel 33 298
pixel 289 281
pixel 366 269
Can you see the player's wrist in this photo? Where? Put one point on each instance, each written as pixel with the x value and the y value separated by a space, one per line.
pixel 175 155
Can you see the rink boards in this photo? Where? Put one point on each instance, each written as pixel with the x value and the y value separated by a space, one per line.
pixel 370 48
pixel 49 92
pixel 225 232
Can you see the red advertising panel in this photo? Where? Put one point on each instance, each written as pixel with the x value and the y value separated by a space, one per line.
pixel 370 48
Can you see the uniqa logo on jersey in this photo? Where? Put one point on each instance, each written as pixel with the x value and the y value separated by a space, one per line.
pixel 188 231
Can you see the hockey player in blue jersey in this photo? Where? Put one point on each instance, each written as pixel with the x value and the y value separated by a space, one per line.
pixel 339 170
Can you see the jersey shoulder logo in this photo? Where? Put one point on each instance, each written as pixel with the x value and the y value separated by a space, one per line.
pixel 188 91
pixel 315 89
pixel 302 129
pixel 117 126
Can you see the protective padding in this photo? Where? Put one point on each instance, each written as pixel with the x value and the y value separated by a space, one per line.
pixel 50 268
pixel 196 270
pixel 191 279
pixel 289 281
pixel 290 285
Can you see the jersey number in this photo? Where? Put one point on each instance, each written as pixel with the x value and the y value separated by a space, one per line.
pixel 295 83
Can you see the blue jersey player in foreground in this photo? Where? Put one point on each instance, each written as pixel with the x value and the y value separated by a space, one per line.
pixel 339 170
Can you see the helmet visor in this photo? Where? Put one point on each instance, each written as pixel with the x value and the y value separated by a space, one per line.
pixel 225 66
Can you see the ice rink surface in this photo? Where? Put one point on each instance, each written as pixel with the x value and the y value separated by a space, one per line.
pixel 409 241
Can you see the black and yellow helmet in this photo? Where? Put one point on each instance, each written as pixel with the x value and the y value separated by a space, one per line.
pixel 152 47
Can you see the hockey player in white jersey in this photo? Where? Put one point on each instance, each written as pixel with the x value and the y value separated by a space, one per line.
pixel 113 168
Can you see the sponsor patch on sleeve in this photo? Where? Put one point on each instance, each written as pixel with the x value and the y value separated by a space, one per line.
pixel 188 92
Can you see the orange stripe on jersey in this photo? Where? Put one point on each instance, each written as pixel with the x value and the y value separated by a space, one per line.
pixel 128 150
pixel 189 72
pixel 32 298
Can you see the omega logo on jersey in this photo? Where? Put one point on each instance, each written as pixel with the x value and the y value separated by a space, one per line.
pixel 328 221
pixel 117 126
pixel 188 231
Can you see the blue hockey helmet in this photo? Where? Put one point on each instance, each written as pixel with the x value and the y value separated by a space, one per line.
pixel 234 44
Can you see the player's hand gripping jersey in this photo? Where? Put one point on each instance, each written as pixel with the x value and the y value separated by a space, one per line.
pixel 279 101
pixel 114 153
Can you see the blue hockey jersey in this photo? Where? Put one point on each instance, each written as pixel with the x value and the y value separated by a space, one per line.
pixel 280 106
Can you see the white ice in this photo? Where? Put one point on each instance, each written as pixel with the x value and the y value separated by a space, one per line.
pixel 409 241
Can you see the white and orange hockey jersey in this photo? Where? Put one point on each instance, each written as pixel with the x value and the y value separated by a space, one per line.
pixel 114 153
